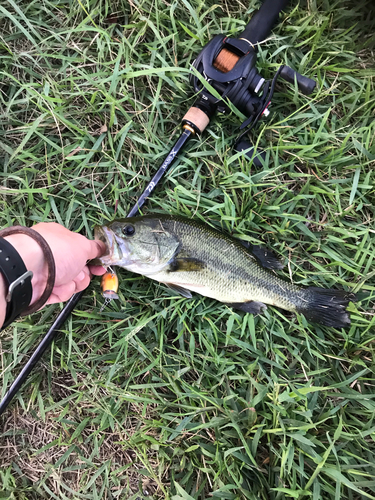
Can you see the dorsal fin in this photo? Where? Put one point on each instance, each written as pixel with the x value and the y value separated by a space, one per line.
pixel 265 257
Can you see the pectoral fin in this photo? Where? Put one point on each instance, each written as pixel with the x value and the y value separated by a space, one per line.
pixel 185 264
pixel 179 289
pixel 251 307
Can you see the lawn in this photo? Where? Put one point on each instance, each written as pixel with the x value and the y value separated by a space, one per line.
pixel 161 397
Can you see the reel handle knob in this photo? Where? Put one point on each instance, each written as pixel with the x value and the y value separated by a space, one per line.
pixel 258 159
pixel 305 84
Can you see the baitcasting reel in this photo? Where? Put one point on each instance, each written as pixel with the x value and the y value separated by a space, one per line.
pixel 228 65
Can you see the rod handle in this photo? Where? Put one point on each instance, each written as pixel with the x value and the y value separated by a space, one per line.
pixel 38 353
pixel 263 21
pixel 197 118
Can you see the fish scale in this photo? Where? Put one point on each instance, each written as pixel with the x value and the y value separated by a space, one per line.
pixel 230 273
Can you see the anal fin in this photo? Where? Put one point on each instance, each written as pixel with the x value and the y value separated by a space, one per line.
pixel 252 307
pixel 179 289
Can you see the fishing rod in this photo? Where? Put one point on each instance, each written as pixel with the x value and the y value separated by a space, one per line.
pixel 228 66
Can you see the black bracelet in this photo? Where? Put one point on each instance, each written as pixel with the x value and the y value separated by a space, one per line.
pixel 17 279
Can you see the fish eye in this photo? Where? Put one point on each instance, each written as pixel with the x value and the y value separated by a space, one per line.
pixel 128 230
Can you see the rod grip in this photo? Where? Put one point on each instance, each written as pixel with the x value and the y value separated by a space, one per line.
pixel 38 353
pixel 196 117
pixel 263 21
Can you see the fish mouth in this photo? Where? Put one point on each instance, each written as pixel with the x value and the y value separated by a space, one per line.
pixel 113 252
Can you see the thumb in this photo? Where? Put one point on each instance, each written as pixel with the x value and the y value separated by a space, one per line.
pixel 96 249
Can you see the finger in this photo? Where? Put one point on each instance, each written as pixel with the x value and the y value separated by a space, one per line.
pixel 95 249
pixel 62 293
pixel 54 299
pixel 82 283
pixel 81 276
pixel 97 270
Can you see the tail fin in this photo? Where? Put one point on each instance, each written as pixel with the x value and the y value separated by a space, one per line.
pixel 327 307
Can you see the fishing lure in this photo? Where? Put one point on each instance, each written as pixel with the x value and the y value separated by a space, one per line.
pixel 109 285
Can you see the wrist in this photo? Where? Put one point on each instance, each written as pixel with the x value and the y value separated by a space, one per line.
pixel 33 258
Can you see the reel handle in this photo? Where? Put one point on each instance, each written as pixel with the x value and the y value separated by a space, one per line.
pixel 263 21
pixel 258 159
pixel 305 84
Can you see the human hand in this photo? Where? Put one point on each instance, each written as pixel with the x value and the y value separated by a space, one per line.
pixel 70 250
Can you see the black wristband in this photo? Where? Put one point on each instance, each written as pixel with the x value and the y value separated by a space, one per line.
pixel 17 279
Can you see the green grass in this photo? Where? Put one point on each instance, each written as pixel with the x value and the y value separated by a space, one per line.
pixel 159 395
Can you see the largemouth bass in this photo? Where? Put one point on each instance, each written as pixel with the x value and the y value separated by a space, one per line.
pixel 189 256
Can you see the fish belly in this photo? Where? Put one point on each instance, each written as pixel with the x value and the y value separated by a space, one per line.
pixel 228 289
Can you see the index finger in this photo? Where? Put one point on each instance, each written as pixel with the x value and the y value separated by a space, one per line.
pixel 97 270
